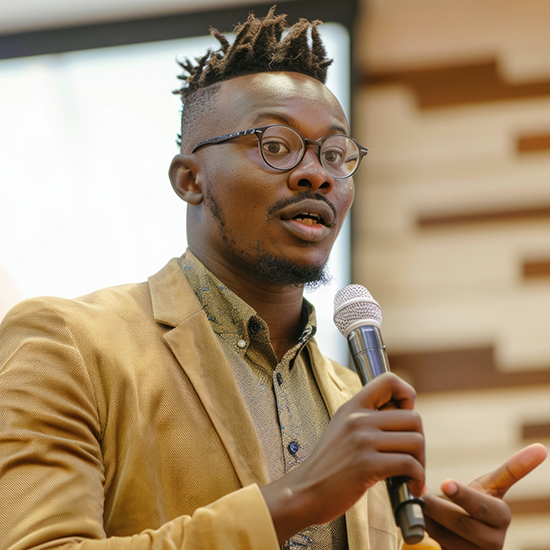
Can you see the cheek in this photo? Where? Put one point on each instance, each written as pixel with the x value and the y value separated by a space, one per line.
pixel 245 204
pixel 347 189
pixel 344 198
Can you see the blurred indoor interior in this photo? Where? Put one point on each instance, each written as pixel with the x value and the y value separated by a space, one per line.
pixel 450 228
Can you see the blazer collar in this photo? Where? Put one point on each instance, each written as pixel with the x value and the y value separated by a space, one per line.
pixel 195 347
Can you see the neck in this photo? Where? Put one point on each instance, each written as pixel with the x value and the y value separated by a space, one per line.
pixel 279 306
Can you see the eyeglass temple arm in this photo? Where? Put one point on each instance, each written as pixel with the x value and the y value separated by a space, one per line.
pixel 225 137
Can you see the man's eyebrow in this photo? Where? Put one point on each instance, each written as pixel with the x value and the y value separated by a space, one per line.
pixel 277 116
pixel 339 128
pixel 283 119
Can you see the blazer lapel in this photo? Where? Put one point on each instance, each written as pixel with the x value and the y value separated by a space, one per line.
pixel 194 345
pixel 335 393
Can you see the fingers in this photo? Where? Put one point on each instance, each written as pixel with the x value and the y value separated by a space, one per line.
pixel 497 482
pixel 384 389
pixel 396 453
pixel 470 519
pixel 526 460
pixel 392 441
pixel 475 515
pixel 446 539
pixel 482 507
pixel 388 430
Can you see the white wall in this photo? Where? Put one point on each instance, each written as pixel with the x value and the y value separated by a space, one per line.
pixel 24 15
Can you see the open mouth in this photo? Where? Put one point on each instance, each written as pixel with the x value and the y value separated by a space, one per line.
pixel 308 218
pixel 309 212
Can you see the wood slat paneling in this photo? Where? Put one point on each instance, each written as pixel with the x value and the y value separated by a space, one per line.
pixel 536 269
pixel 540 430
pixel 524 214
pixel 529 507
pixel 533 143
pixel 461 370
pixel 448 86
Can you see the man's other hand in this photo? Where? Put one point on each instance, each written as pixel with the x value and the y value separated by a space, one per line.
pixel 475 516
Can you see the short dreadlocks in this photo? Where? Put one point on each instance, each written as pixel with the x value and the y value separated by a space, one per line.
pixel 258 47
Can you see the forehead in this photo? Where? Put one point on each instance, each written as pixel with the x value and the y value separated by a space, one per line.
pixel 291 98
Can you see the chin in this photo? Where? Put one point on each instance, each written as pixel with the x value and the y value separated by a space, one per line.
pixel 284 272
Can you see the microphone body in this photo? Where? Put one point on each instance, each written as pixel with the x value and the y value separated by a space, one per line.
pixel 370 360
pixel 358 317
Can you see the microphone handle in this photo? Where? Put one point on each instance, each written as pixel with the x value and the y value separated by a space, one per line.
pixel 370 360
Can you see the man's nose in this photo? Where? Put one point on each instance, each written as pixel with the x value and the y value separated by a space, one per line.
pixel 310 174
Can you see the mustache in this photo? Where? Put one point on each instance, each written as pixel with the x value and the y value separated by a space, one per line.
pixel 282 203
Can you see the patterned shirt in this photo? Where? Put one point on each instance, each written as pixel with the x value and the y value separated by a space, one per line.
pixel 282 398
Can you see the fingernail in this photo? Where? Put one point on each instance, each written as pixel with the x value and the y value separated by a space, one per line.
pixel 450 488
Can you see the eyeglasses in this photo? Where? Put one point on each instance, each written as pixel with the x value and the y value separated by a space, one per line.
pixel 283 148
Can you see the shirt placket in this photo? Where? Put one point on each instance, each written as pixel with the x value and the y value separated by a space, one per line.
pixel 295 447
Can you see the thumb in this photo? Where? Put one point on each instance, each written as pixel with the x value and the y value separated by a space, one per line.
pixel 497 482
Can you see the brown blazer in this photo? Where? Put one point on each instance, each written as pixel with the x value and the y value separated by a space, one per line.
pixel 121 427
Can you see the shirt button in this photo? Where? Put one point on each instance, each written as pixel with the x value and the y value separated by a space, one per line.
pixel 293 447
pixel 279 378
pixel 241 344
pixel 254 326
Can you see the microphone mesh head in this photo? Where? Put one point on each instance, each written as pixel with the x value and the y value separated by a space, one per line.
pixel 354 305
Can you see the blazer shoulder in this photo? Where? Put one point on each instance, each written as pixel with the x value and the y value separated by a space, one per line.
pixel 133 302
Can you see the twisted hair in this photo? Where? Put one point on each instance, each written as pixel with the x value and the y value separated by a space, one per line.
pixel 259 47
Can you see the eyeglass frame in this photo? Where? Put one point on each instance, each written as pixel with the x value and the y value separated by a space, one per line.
pixel 316 144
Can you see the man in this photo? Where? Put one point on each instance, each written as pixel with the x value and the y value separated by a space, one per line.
pixel 196 410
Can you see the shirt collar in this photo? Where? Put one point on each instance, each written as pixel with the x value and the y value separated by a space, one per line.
pixel 228 314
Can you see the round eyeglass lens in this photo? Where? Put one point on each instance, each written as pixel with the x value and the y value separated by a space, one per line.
pixel 339 156
pixel 281 147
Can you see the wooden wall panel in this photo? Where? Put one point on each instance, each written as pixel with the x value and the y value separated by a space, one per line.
pixel 536 269
pixel 533 506
pixel 469 433
pixel 401 34
pixel 528 533
pixel 453 236
pixel 464 370
pixel 533 143
pixel 521 214
pixel 447 86
pixel 536 430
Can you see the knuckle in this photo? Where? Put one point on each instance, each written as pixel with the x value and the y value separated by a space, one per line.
pixel 420 448
pixel 504 515
pixel 355 422
pixel 464 525
pixel 415 469
pixel 416 420
pixel 357 427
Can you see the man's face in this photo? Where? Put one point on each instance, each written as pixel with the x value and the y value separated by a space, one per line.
pixel 254 219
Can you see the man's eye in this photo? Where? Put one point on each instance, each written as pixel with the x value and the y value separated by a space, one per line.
pixel 334 156
pixel 275 148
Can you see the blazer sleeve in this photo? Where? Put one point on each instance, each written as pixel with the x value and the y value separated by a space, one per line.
pixel 52 474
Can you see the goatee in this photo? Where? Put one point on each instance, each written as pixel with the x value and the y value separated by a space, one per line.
pixel 280 271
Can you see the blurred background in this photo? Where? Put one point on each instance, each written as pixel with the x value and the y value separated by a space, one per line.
pixel 450 228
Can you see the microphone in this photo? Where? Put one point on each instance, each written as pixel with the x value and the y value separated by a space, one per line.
pixel 358 317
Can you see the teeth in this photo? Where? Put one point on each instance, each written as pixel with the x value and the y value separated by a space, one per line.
pixel 308 218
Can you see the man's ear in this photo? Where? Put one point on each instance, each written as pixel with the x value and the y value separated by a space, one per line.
pixel 184 175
